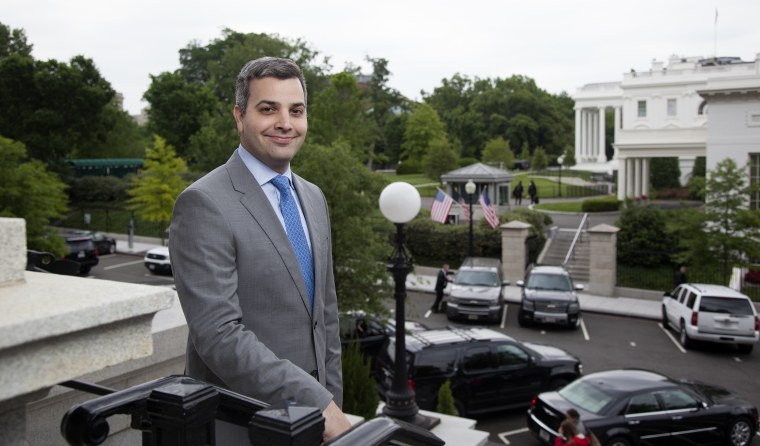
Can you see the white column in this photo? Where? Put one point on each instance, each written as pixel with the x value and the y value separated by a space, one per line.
pixel 618 117
pixel 622 178
pixel 645 177
pixel 578 134
pixel 601 156
pixel 639 177
pixel 592 130
pixel 584 136
pixel 629 192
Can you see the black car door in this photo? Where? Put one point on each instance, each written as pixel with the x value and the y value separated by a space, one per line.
pixel 691 421
pixel 647 419
pixel 520 377
pixel 480 378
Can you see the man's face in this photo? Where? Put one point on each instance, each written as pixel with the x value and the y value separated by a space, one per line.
pixel 274 124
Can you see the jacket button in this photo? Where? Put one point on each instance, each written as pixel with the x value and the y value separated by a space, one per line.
pixel 315 374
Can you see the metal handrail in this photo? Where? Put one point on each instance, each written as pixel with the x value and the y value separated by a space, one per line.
pixel 584 222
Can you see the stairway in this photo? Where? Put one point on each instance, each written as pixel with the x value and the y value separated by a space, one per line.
pixel 579 263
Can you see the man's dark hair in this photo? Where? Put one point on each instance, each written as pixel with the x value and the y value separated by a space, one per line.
pixel 573 414
pixel 265 67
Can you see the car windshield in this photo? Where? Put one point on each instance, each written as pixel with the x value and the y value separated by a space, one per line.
pixel 710 304
pixel 477 278
pixel 586 396
pixel 556 282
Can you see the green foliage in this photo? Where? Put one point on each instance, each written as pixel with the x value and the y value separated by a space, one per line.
pixel 55 109
pixel 155 189
pixel 700 167
pixel 539 161
pixel 497 151
pixel 525 151
pixel 214 143
pixel 463 162
pixel 13 41
pixel 605 204
pixel 696 186
pixel 98 189
pixel 424 126
pixel 665 173
pixel 125 139
pixel 352 192
pixel 439 159
pixel 642 240
pixel 409 167
pixel 32 193
pixel 177 108
pixel 359 391
pixel 445 400
pixel 569 160
pixel 732 230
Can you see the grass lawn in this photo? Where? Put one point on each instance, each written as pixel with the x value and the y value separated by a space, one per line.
pixel 415 179
pixel 567 206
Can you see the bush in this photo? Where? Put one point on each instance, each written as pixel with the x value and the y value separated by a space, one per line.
pixel 464 162
pixel 359 392
pixel 643 239
pixel 665 173
pixel 446 400
pixel 605 204
pixel 675 193
pixel 98 189
pixel 408 167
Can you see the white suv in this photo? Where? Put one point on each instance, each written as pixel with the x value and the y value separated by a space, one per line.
pixel 711 313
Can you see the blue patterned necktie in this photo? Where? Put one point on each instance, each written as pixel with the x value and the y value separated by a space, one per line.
pixel 295 232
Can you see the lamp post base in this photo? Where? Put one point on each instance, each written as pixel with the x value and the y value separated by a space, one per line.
pixel 417 419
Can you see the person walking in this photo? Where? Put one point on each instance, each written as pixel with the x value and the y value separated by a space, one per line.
pixel 533 192
pixel 569 436
pixel 440 284
pixel 518 193
pixel 680 276
pixel 252 261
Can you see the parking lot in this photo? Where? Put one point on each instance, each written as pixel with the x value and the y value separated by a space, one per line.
pixel 602 342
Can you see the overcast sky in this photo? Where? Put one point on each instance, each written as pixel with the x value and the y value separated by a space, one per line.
pixel 562 44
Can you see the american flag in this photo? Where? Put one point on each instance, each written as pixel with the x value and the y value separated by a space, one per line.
pixel 441 207
pixel 465 208
pixel 488 211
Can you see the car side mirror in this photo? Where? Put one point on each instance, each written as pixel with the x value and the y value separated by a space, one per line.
pixel 667 294
pixel 579 287
pixel 520 283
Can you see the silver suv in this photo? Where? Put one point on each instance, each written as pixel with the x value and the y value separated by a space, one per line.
pixel 713 313
pixel 477 290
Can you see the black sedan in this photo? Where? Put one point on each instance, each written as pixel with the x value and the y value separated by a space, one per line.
pixel 639 407
pixel 104 243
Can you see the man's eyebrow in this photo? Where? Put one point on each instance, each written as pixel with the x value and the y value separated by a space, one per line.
pixel 267 102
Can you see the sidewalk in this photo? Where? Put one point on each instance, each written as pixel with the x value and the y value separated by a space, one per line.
pixel 423 280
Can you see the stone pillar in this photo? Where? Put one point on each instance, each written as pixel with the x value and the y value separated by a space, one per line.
pixel 592 137
pixel 686 165
pixel 616 127
pixel 603 260
pixel 645 177
pixel 629 189
pixel 639 179
pixel 514 254
pixel 601 156
pixel 622 177
pixel 57 328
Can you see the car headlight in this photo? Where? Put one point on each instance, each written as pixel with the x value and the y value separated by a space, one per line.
pixel 573 307
pixel 528 304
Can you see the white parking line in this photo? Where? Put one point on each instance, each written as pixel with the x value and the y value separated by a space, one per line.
pixel 667 332
pixel 633 344
pixel 504 316
pixel 503 436
pixel 119 265
pixel 585 332
pixel 737 359
pixel 429 312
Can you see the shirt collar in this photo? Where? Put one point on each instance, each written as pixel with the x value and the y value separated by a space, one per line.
pixel 260 171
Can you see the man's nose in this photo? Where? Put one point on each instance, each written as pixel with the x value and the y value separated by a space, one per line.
pixel 283 120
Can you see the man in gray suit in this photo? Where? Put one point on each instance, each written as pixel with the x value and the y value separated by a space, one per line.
pixel 263 321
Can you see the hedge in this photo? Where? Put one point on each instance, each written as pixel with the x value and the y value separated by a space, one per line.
pixel 605 204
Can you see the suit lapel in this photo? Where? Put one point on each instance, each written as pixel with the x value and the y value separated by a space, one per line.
pixel 257 204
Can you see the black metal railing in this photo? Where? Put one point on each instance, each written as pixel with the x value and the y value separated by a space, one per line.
pixel 182 411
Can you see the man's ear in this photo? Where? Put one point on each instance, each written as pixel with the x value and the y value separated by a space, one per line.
pixel 239 116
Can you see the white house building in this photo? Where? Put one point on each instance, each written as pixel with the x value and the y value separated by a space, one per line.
pixel 663 112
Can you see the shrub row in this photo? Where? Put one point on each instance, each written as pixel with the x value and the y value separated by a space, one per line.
pixel 605 204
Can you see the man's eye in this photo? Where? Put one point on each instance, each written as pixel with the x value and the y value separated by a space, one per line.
pixel 298 111
pixel 266 109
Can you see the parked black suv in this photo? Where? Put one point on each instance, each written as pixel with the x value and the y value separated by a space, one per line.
pixel 549 296
pixel 488 370
pixel 81 249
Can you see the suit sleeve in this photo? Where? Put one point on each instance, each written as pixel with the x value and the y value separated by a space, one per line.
pixel 333 367
pixel 202 246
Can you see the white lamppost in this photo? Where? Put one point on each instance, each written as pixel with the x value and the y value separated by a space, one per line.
pixel 470 189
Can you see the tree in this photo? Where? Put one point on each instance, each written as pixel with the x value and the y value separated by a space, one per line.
pixel 445 404
pixel 423 127
pixel 540 160
pixel 665 173
pixel 213 144
pixel 525 151
pixel 569 159
pixel 32 193
pixel 733 231
pixel 154 191
pixel 440 158
pixel 13 41
pixel 643 239
pixel 352 192
pixel 359 389
pixel 124 139
pixel 497 151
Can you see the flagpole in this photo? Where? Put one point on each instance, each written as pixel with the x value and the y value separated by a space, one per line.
pixel 715 36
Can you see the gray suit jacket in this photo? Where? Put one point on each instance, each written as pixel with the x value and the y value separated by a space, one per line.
pixel 243 294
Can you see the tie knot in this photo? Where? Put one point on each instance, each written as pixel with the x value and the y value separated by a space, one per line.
pixel 282 184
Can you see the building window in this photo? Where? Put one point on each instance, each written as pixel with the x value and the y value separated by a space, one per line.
pixel 672 108
pixel 642 109
pixel 754 179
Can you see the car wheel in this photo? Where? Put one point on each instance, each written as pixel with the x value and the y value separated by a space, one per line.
pixel 684 338
pixel 522 320
pixel 745 349
pixel 739 432
pixel 112 248
pixel 665 322
pixel 84 270
pixel 557 383
pixel 618 441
